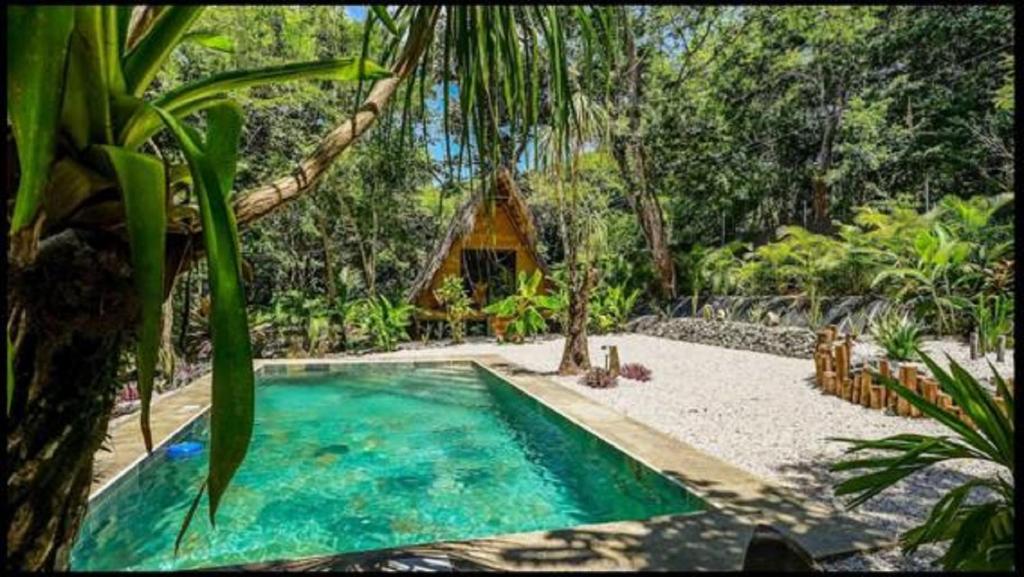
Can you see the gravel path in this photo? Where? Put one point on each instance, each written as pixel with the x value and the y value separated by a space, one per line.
pixel 756 411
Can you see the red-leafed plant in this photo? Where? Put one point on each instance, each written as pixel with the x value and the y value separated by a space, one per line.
pixel 635 371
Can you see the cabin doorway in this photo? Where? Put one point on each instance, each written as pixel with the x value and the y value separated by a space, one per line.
pixel 488 275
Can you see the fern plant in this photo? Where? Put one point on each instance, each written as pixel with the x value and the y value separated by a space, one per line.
pixel 980 533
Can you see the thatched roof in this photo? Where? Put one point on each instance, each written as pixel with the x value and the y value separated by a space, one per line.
pixel 506 192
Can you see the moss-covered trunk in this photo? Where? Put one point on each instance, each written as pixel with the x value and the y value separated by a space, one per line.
pixel 71 312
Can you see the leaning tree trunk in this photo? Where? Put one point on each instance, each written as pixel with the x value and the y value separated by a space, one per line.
pixel 73 309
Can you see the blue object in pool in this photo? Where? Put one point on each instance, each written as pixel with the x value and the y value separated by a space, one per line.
pixel 184 450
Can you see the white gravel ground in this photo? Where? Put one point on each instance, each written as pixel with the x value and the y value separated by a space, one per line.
pixel 756 411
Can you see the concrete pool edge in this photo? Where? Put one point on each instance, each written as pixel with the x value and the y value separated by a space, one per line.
pixel 715 539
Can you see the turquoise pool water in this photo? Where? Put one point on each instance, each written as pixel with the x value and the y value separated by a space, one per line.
pixel 370 456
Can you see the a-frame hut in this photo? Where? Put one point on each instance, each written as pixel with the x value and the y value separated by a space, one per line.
pixel 490 240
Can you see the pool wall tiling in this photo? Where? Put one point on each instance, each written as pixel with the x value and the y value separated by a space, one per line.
pixel 439 450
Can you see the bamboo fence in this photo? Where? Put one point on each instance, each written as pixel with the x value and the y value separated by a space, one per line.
pixel 835 375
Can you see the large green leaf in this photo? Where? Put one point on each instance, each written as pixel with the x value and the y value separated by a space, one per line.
pixel 146 58
pixel 224 129
pixel 37 41
pixel 231 418
pixel 182 100
pixel 86 111
pixel 141 180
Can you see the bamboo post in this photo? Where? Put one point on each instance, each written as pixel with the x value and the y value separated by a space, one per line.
pixel 911 383
pixel 945 402
pixel 842 364
pixel 902 406
pixel 855 389
pixel 865 386
pixel 931 390
pixel 1001 349
pixel 847 389
pixel 829 382
pixel 877 396
pixel 975 348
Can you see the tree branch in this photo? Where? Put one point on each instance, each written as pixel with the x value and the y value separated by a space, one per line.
pixel 259 202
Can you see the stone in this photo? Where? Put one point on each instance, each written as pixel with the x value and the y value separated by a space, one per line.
pixel 771 319
pixel 783 340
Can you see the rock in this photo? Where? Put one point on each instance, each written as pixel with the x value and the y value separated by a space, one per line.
pixel 720 315
pixel 771 319
pixel 785 341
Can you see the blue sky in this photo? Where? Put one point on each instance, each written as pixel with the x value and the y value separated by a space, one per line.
pixel 356 12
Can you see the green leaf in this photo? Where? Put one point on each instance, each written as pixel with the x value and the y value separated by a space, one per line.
pixel 37 44
pixel 223 132
pixel 86 112
pixel 382 13
pixel 211 40
pixel 141 180
pixel 144 61
pixel 232 406
pixel 209 91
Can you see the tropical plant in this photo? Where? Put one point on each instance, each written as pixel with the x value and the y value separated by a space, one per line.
pixel 928 279
pixel 611 306
pixel 526 308
pixel 976 518
pixel 993 316
pixel 83 112
pixel 456 302
pixel 897 333
pixel 635 371
pixel 383 322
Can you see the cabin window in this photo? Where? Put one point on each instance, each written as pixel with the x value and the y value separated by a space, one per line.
pixel 489 275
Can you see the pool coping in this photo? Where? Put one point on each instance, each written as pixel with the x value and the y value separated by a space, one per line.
pixel 714 539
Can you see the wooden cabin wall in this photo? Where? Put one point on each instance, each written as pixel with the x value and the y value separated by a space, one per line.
pixel 495 233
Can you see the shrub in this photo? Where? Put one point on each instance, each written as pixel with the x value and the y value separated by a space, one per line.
pixel 525 308
pixel 599 378
pixel 610 308
pixel 635 371
pixel 453 296
pixel 383 321
pixel 981 532
pixel 897 334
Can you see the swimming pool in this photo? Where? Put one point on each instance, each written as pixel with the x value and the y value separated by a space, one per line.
pixel 355 457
